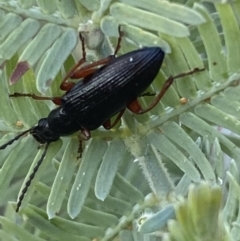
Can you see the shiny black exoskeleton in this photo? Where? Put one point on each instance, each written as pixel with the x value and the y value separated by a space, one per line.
pixel 101 95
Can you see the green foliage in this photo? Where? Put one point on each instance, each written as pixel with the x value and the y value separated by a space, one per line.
pixel 204 203
pixel 131 182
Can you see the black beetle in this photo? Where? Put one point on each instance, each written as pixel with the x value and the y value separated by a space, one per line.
pixel 102 93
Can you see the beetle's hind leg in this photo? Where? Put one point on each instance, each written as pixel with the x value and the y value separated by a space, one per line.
pixel 135 106
pixel 55 100
pixel 108 125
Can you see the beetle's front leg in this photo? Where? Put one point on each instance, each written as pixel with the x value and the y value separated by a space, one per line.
pixel 55 100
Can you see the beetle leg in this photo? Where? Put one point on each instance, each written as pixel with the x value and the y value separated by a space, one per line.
pixel 165 87
pixel 68 85
pixel 55 100
pixel 89 69
pixel 80 148
pixel 148 94
pixel 120 36
pixel 85 134
pixel 135 106
pixel 78 72
pixel 107 124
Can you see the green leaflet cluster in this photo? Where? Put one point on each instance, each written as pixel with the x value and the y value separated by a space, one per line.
pixel 134 179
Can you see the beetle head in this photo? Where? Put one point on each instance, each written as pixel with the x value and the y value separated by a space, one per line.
pixel 42 132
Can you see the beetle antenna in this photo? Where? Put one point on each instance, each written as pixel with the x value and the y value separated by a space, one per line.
pixel 14 139
pixel 28 183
